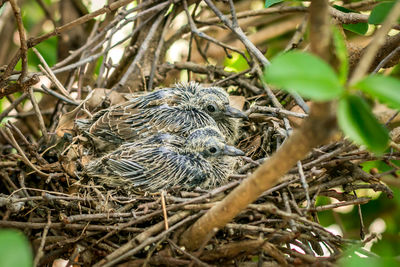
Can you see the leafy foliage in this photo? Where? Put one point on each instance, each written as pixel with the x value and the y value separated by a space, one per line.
pixel 357 121
pixel 385 89
pixel 236 63
pixel 341 52
pixel 306 74
pixel 356 261
pixel 14 249
pixel 311 77
pixel 269 3
pixel 379 13
pixel 359 28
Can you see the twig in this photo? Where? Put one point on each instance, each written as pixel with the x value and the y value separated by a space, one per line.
pixel 18 86
pixel 57 95
pixel 14 143
pixel 12 105
pixel 110 260
pixel 22 38
pixel 298 35
pixel 386 60
pixel 141 52
pixel 282 111
pixel 238 31
pixel 49 73
pixel 190 256
pixel 205 36
pixel 38 114
pixel 107 8
pixel 62 226
pixel 286 203
pixel 158 52
pixel 200 251
pixel 358 201
pixel 164 209
pixel 40 253
pixel 304 183
pixel 361 219
pixel 348 18
pixel 111 26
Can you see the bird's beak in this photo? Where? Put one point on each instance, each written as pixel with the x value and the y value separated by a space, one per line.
pixel 235 113
pixel 233 151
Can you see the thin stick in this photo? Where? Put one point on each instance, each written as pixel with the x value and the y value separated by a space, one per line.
pixel 112 261
pixel 386 59
pixel 13 105
pixel 282 111
pixel 194 30
pixel 164 209
pixel 57 95
pixel 304 183
pixel 158 52
pixel 22 38
pixel 40 253
pixel 38 114
pixel 83 19
pixel 49 73
pixel 238 31
pixel 144 46
pixel 190 256
pixel 21 152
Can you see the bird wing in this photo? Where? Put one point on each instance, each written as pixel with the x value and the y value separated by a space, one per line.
pixel 125 121
pixel 155 168
pixel 163 118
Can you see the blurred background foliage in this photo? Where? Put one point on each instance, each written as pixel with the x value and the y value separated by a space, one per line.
pixel 381 215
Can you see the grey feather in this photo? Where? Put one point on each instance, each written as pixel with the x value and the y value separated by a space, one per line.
pixel 176 110
pixel 165 160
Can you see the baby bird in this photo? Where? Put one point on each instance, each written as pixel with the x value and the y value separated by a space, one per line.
pixel 165 160
pixel 176 110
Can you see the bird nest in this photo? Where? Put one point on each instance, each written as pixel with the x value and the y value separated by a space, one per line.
pixel 71 217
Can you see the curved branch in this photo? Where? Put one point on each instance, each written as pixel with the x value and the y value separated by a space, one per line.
pixel 315 130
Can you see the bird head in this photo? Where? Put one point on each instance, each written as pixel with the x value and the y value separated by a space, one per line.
pixel 215 102
pixel 210 143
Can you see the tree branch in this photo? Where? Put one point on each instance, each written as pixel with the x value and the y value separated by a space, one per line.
pixel 315 131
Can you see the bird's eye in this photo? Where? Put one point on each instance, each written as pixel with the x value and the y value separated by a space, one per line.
pixel 212 150
pixel 211 108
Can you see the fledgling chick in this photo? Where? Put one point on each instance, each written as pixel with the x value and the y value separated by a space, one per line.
pixel 215 102
pixel 176 110
pixel 165 160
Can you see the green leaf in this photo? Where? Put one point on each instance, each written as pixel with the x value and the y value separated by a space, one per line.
pixel 360 125
pixel 386 89
pixel 341 52
pixel 14 249
pixel 98 65
pixel 379 13
pixel 269 3
pixel 359 28
pixel 355 260
pixel 236 63
pixel 306 74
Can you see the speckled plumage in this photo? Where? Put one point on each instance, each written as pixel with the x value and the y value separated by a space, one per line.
pixel 176 110
pixel 165 160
